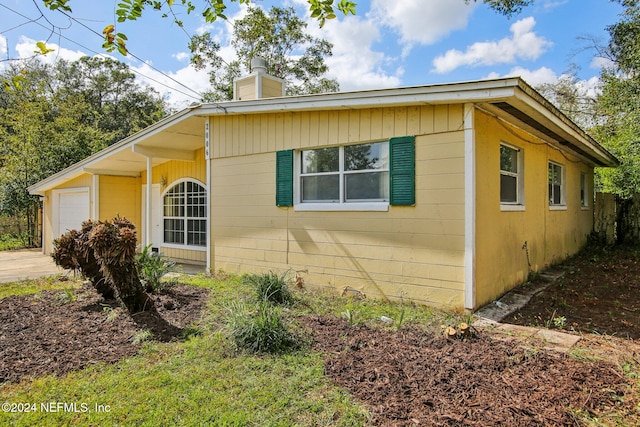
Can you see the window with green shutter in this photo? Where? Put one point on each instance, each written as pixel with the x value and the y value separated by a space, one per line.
pixel 367 176
pixel 284 178
pixel 403 171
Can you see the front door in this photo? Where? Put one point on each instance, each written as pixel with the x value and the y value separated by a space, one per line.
pixel 156 215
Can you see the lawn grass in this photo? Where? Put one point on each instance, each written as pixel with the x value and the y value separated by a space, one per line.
pixel 197 382
pixel 33 286
pixel 204 381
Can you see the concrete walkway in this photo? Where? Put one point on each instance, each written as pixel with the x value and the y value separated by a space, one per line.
pixel 26 264
pixel 32 263
pixel 491 315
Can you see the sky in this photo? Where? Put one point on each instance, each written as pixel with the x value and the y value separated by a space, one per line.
pixel 387 44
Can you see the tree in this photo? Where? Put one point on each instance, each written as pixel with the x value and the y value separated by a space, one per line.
pixel 279 37
pixel 619 104
pixel 58 116
pixel 117 104
pixel 212 10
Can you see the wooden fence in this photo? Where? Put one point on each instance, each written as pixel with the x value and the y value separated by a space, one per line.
pixel 617 220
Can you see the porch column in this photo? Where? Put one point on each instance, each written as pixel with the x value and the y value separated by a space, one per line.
pixel 148 225
pixel 207 160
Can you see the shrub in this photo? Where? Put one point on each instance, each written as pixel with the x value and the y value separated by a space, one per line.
pixel 72 252
pixel 105 252
pixel 259 328
pixel 152 267
pixel 271 287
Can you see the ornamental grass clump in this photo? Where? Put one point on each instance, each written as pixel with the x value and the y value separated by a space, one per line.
pixel 271 287
pixel 259 328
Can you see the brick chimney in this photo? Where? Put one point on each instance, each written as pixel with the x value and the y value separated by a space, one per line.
pixel 258 84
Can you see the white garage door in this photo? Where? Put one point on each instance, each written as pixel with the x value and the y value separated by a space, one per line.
pixel 72 210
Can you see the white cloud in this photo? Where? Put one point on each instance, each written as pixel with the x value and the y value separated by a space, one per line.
pixel 422 21
pixel 533 77
pixel 354 63
pixel 181 56
pixel 599 63
pixel 3 46
pixel 523 44
pixel 26 48
pixel 165 83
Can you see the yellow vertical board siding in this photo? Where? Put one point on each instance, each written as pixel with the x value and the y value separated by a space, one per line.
pixel 413 252
pixel 170 172
pixel 276 131
pixel 175 170
pixel 550 235
pixel 83 181
pixel 120 196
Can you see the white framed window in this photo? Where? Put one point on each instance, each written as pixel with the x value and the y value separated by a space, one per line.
pixel 344 177
pixel 556 185
pixel 511 177
pixel 584 190
pixel 185 215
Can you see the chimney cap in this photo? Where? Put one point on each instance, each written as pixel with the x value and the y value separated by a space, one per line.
pixel 258 65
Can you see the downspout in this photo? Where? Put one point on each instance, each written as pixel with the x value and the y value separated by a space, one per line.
pixel 469 208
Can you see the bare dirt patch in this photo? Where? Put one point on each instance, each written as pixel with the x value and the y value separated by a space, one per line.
pixel 411 377
pixel 51 333
pixel 599 293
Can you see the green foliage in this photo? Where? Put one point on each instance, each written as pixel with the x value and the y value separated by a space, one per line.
pixel 14 241
pixel 259 328
pixel 55 115
pixel 152 267
pixel 279 37
pixel 271 287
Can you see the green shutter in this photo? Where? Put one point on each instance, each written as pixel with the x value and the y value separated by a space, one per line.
pixel 284 178
pixel 403 171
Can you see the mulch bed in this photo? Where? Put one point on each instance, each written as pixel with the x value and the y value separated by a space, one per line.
pixel 598 293
pixel 405 378
pixel 409 377
pixel 48 334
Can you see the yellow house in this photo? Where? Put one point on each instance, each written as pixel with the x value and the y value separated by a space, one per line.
pixel 447 194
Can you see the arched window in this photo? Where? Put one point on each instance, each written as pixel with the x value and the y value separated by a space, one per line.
pixel 185 214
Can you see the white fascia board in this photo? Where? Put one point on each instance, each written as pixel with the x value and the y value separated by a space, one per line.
pixel 82 166
pixel 437 94
pixel 566 125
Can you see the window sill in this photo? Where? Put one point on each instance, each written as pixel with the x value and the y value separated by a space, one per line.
pixel 185 247
pixel 341 207
pixel 585 208
pixel 512 208
pixel 557 207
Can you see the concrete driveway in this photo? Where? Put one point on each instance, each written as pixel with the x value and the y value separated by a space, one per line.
pixel 25 263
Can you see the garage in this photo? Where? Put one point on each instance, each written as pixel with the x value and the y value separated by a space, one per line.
pixel 70 208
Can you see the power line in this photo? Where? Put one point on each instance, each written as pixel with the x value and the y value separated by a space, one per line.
pixel 53 28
